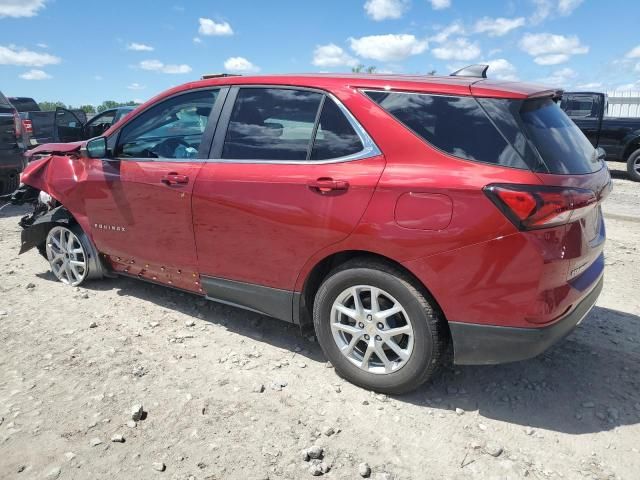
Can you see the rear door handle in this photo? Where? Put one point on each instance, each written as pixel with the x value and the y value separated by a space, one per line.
pixel 326 185
pixel 174 179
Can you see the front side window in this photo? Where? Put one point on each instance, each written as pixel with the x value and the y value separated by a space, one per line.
pixel 455 125
pixel 271 124
pixel 171 129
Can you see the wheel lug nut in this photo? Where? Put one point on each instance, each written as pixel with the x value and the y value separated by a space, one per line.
pixel 380 326
pixel 378 338
pixel 366 337
pixel 361 325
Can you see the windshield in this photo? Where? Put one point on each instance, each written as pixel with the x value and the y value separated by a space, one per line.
pixel 563 147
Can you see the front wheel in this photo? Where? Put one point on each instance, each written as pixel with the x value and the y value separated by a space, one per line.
pixel 377 329
pixel 67 250
pixel 633 166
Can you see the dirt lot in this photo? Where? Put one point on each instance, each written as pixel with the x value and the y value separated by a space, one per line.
pixel 73 362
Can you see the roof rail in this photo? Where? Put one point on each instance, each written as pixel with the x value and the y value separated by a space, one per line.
pixel 217 75
pixel 477 71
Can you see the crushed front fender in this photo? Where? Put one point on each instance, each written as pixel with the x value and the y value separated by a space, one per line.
pixel 37 224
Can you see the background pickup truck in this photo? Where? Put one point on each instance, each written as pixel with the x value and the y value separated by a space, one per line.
pixel 12 160
pixel 40 127
pixel 618 136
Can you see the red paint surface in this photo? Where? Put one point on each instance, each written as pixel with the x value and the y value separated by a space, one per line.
pixel 261 223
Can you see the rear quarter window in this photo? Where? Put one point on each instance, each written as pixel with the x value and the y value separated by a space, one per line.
pixel 456 125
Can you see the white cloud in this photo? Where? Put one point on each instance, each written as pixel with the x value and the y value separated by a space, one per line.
pixel 20 8
pixel 545 8
pixel 331 56
pixel 139 47
pixel 560 77
pixel 42 45
pixel 497 27
pixel 633 53
pixel 211 28
pixel 550 49
pixel 385 9
pixel 501 69
pixel 158 66
pixel 458 49
pixel 240 65
pixel 387 48
pixel 136 86
pixel 13 55
pixel 635 87
pixel 456 28
pixel 440 4
pixel 35 75
pixel 197 40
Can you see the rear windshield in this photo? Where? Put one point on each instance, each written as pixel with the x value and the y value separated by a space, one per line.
pixel 24 104
pixel 530 134
pixel 562 145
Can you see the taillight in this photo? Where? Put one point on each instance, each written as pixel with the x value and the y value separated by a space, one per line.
pixel 531 206
pixel 28 126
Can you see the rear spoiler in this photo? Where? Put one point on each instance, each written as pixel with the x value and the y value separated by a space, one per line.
pixel 554 94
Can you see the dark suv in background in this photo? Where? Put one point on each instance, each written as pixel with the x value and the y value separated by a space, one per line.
pixel 12 160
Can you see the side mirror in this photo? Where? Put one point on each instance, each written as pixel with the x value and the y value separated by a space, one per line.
pixel 602 154
pixel 96 147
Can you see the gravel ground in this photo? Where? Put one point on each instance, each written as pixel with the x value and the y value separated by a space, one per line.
pixel 124 379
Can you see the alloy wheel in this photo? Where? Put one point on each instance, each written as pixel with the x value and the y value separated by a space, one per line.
pixel 372 329
pixel 66 256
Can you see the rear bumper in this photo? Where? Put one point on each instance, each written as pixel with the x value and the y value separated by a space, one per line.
pixel 476 344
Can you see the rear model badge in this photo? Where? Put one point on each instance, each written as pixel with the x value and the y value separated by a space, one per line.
pixel 113 228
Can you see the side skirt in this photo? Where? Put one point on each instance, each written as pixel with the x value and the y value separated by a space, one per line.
pixel 272 302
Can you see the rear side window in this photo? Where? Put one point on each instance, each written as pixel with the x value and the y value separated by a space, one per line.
pixel 335 136
pixel 24 104
pixel 271 124
pixel 455 125
pixel 562 146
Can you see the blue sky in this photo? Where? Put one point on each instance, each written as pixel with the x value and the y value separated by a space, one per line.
pixel 80 51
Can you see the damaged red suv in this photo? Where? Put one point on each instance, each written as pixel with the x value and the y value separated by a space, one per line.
pixel 396 216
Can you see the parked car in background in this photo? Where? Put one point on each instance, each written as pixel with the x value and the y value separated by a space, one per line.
pixel 12 160
pixel 25 104
pixel 396 216
pixel 618 136
pixel 66 125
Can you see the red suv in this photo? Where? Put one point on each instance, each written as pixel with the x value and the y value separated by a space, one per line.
pixel 397 216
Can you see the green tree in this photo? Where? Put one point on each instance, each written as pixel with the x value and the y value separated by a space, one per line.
pixel 48 106
pixel 363 68
pixel 432 72
pixel 88 108
pixel 107 104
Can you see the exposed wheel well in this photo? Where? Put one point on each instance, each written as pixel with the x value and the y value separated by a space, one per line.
pixel 322 269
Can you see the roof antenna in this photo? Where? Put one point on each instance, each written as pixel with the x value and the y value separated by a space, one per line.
pixel 476 71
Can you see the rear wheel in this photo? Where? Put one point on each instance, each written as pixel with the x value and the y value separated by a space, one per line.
pixel 633 166
pixel 67 251
pixel 377 329
pixel 9 184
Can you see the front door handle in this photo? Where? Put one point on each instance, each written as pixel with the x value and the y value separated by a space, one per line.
pixel 174 179
pixel 327 185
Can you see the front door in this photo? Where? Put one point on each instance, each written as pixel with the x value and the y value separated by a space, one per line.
pixel 291 173
pixel 138 201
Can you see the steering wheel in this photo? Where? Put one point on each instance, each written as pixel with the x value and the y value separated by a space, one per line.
pixel 167 148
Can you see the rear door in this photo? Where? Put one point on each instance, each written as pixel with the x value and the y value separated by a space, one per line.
pixel 290 173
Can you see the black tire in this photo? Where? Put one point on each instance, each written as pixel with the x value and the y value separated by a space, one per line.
pixel 633 166
pixel 9 184
pixel 430 332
